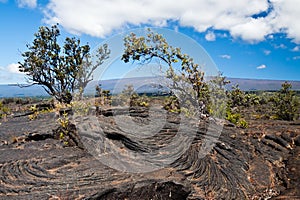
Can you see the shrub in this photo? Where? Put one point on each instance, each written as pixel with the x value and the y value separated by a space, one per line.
pixel 251 100
pixel 242 123
pixel 236 100
pixel 171 104
pixel 35 113
pixel 128 97
pixel 236 119
pixel 103 97
pixel 286 103
pixel 218 100
pixel 80 107
pixel 4 110
pixel 124 98
pixel 236 97
pixel 140 101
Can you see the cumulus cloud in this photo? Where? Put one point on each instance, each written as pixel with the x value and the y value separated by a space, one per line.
pixel 10 74
pixel 252 30
pixel 285 16
pixel 225 56
pixel 261 67
pixel 210 36
pixel 13 68
pixel 250 20
pixel 27 3
pixel 296 49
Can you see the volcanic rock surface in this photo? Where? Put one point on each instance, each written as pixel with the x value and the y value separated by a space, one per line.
pixel 260 162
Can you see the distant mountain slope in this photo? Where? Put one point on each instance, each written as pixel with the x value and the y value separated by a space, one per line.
pixel 16 91
pixel 144 84
pixel 245 84
pixel 261 84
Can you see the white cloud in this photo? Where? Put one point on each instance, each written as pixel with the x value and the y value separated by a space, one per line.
pixel 296 49
pixel 252 30
pixel 27 3
pixel 286 17
pixel 3 1
pixel 267 52
pixel 14 68
pixel 225 56
pixel 11 74
pixel 210 36
pixel 261 67
pixel 101 18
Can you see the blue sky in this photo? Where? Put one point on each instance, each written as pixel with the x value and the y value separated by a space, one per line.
pixel 245 38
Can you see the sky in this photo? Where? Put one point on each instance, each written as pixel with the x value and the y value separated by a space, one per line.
pixel 257 39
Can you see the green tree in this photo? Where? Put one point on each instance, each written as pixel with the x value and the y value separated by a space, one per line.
pixel 236 97
pixel 60 70
pixel 155 46
pixel 218 104
pixel 286 103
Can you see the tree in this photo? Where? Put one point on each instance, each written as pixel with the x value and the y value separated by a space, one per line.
pixel 236 97
pixel 286 103
pixel 60 70
pixel 218 105
pixel 103 96
pixel 155 46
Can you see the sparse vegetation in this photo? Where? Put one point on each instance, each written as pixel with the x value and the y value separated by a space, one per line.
pixel 34 114
pixel 171 104
pixel 102 97
pixel 128 97
pixel 218 98
pixel 124 98
pixel 63 129
pixel 210 97
pixel 236 102
pixel 137 100
pixel 4 110
pixel 80 107
pixel 286 103
pixel 64 120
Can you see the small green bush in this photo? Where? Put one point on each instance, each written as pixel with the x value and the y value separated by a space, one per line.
pixel 103 97
pixel 285 103
pixel 4 110
pixel 236 97
pixel 236 119
pixel 140 101
pixel 171 104
pixel 242 123
pixel 35 113
pixel 233 118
